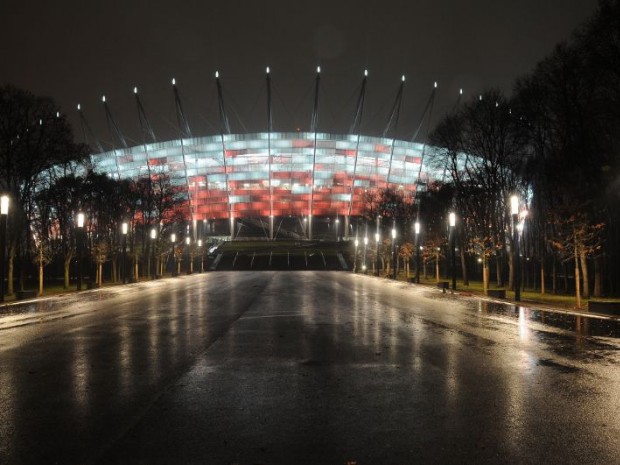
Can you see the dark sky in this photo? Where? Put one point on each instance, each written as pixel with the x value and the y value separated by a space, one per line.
pixel 77 50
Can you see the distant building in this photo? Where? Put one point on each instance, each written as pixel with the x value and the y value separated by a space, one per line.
pixel 272 182
pixel 257 176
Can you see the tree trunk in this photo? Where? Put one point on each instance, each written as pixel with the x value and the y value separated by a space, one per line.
pixel 554 276
pixel 542 276
pixel 437 277
pixel 577 278
pixel 511 271
pixel 9 284
pixel 40 277
pixel 40 270
pixel 486 274
pixel 67 265
pixel 597 277
pixel 464 267
pixel 584 274
pixel 498 271
pixel 9 277
pixel 565 276
pixel 146 264
pixel 20 278
pixel 100 274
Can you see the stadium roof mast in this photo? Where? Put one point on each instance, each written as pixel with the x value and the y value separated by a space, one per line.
pixel 428 109
pixel 224 129
pixel 185 133
pixel 184 129
pixel 145 124
pixel 355 129
pixel 313 128
pixel 454 109
pixel 87 131
pixel 114 131
pixel 390 129
pixel 269 129
pixel 146 129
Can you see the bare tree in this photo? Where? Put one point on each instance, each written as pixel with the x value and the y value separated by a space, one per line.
pixel 34 137
pixel 482 152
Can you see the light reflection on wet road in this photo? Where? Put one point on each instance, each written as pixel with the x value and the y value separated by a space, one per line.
pixel 304 367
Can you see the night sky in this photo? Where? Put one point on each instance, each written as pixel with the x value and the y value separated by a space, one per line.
pixel 77 50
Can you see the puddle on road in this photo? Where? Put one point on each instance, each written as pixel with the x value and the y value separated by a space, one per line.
pixel 50 304
pixel 581 325
pixel 557 366
pixel 28 308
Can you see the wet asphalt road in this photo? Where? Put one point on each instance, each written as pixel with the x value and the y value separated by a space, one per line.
pixel 303 368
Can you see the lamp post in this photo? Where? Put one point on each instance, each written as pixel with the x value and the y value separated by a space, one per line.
pixel 4 214
pixel 452 219
pixel 514 211
pixel 173 239
pixel 337 227
pixel 377 263
pixel 377 239
pixel 153 237
pixel 357 243
pixel 190 259
pixel 394 250
pixel 417 251
pixel 80 246
pixel 124 229
pixel 365 249
pixel 199 243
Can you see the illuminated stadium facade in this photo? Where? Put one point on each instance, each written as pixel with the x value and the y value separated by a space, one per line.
pixel 270 174
pixel 267 176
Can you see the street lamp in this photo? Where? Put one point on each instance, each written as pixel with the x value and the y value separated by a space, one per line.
pixel 153 237
pixel 202 268
pixel 452 219
pixel 514 211
pixel 173 239
pixel 394 250
pixel 377 239
pixel 337 227
pixel 365 248
pixel 4 214
pixel 124 229
pixel 357 243
pixel 416 227
pixel 190 261
pixel 80 247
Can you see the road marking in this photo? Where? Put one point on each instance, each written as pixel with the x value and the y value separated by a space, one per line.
pixel 270 316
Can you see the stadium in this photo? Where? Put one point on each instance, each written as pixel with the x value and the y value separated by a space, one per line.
pixel 273 184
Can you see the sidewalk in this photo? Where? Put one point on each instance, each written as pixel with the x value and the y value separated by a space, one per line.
pixel 528 301
pixel 48 308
